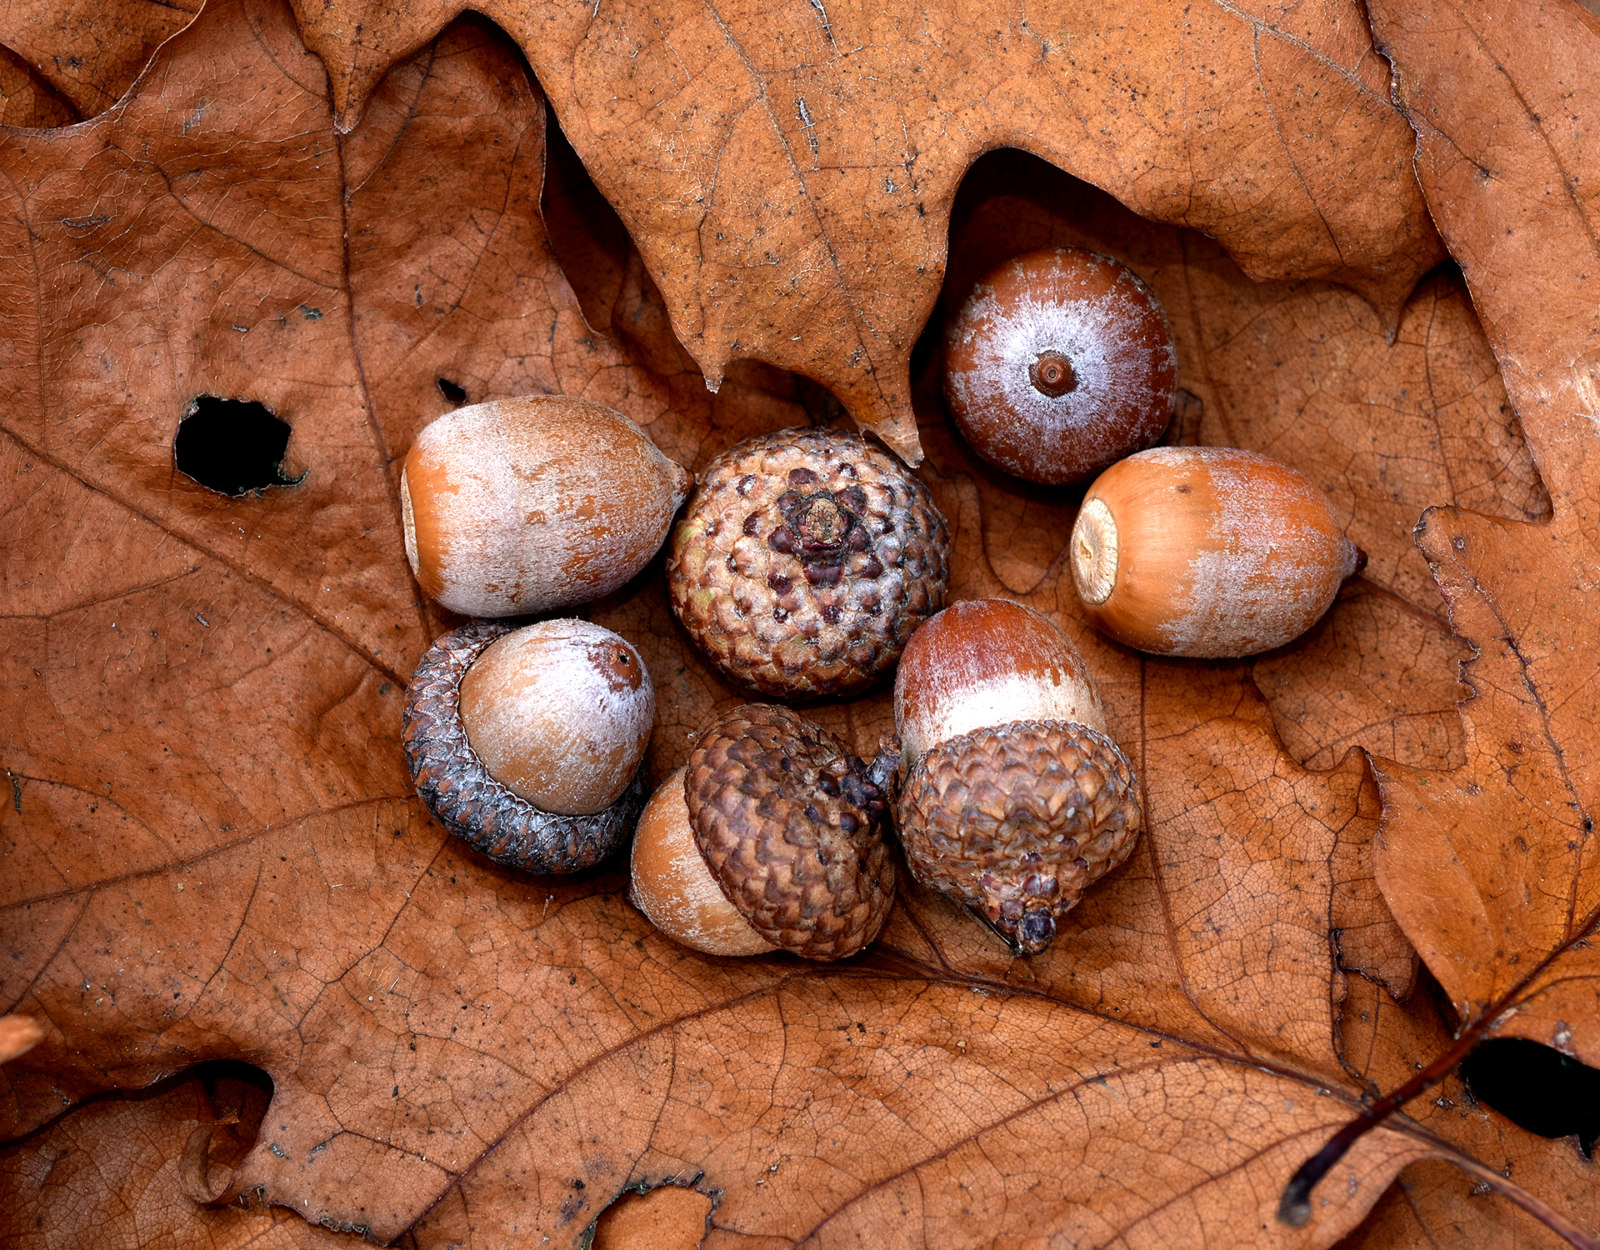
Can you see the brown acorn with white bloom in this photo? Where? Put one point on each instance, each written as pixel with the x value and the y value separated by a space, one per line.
pixel 1207 551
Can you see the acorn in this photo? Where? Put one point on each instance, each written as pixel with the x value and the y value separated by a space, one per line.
pixel 1015 799
pixel 805 560
pixel 1060 362
pixel 1207 551
pixel 770 838
pixel 527 742
pixel 526 505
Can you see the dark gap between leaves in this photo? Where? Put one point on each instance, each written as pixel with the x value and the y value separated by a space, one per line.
pixel 587 236
pixel 1537 1088
pixel 453 391
pixel 232 446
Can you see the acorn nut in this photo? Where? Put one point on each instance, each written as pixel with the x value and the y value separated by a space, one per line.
pixel 805 560
pixel 527 742
pixel 1207 551
pixel 526 505
pixel 1016 800
pixel 1060 362
pixel 770 838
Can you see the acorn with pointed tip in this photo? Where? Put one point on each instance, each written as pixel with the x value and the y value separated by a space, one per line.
pixel 770 838
pixel 1207 551
pixel 1015 800
pixel 525 505
pixel 1059 362
pixel 527 742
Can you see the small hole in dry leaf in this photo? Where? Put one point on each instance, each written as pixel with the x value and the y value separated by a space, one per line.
pixel 1537 1088
pixel 669 1217
pixel 454 392
pixel 232 446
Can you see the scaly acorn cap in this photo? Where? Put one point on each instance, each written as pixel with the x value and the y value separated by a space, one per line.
pixel 804 561
pixel 790 824
pixel 452 780
pixel 1017 820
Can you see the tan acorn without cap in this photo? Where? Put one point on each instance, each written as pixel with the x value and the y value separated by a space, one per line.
pixel 524 505
pixel 1207 551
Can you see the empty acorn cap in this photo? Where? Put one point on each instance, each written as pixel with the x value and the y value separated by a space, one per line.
pixel 789 823
pixel 1017 820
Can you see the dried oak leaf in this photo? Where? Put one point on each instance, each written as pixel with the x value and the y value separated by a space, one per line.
pixel 1242 122
pixel 90 53
pixel 1439 1203
pixel 214 854
pixel 1493 868
pixel 114 1173
pixel 26 99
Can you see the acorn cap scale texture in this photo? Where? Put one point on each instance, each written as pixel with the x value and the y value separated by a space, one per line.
pixel 672 885
pixel 790 825
pixel 1017 820
pixel 458 789
pixel 804 561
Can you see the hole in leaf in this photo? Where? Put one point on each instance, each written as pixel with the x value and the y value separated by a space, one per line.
pixel 669 1216
pixel 1537 1088
pixel 453 391
pixel 232 446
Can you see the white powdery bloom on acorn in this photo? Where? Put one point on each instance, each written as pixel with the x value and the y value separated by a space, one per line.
pixel 1059 362
pixel 524 505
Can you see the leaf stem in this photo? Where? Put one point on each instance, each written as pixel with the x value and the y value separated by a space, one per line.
pixel 1294 1208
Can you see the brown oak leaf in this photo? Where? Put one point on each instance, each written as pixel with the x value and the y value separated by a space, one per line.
pixel 1493 868
pixel 213 852
pixel 1237 121
pixel 1490 867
